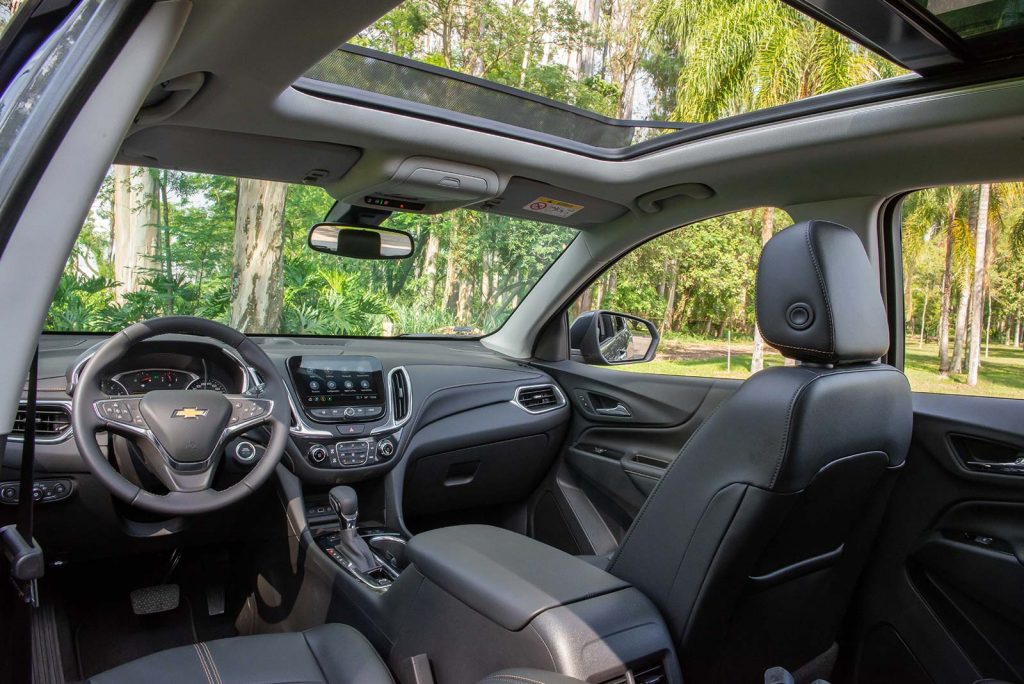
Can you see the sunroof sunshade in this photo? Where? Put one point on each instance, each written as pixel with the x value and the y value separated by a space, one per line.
pixel 604 75
pixel 977 18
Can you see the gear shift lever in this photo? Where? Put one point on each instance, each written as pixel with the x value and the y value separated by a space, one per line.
pixel 351 546
pixel 345 503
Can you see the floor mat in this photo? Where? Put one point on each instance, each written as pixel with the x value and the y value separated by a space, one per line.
pixel 111 634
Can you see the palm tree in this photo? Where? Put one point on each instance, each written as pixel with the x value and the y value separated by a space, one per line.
pixel 978 285
pixel 741 55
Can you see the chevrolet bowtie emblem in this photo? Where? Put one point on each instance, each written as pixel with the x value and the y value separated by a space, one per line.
pixel 194 412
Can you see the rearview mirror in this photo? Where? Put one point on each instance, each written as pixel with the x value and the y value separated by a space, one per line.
pixel 360 242
pixel 608 338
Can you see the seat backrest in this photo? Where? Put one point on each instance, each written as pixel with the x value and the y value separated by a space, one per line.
pixel 753 540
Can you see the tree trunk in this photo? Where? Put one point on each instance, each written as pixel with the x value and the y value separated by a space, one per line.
pixel 924 314
pixel 587 300
pixel 670 299
pixel 908 298
pixel 450 272
pixel 462 312
pixel 430 264
pixel 960 330
pixel 947 297
pixel 977 299
pixel 135 226
pixel 767 229
pixel 1016 335
pixel 165 229
pixel 257 287
pixel 988 322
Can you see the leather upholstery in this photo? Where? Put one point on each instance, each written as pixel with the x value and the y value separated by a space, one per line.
pixel 528 676
pixel 753 539
pixel 818 298
pixel 507 577
pixel 329 654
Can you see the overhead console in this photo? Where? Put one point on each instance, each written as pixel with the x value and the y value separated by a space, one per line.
pixel 426 185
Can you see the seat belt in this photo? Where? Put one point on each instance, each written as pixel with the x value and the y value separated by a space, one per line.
pixel 23 554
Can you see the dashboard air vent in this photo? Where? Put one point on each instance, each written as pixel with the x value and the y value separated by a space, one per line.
pixel 53 421
pixel 399 395
pixel 651 674
pixel 539 398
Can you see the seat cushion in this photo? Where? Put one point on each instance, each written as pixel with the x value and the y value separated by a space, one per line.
pixel 329 654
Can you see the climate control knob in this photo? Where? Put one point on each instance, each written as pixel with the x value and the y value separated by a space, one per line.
pixel 386 448
pixel 317 453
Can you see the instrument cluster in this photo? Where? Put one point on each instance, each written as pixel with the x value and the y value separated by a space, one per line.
pixel 149 379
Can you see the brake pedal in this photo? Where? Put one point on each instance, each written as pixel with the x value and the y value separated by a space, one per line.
pixel 158 599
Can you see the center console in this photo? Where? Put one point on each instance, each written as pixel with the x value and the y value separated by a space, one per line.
pixel 478 599
pixel 349 411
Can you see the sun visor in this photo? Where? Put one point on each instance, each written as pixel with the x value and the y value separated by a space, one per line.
pixel 238 154
pixel 529 199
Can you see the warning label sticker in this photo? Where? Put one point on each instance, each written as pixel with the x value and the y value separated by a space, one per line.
pixel 553 207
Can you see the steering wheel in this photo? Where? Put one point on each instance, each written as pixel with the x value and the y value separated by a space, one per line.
pixel 180 433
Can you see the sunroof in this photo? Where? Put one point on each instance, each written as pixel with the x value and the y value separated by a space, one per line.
pixel 605 75
pixel 977 18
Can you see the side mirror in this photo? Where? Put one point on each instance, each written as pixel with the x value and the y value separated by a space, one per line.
pixel 608 338
pixel 360 242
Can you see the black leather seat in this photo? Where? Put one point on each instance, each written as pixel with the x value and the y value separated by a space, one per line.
pixel 754 538
pixel 329 654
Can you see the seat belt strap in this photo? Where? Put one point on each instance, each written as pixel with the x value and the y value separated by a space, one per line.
pixel 23 554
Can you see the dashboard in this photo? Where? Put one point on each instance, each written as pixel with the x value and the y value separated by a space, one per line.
pixel 423 427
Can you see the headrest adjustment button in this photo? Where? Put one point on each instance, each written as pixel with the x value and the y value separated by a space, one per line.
pixel 799 316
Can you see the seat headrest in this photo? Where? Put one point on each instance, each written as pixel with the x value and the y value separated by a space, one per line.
pixel 818 297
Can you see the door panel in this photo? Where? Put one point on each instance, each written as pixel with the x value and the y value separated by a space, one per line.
pixel 944 596
pixel 612 461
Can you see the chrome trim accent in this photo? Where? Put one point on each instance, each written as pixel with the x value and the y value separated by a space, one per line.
pixel 57 439
pixel 389 411
pixel 558 395
pixel 248 372
pixel 301 427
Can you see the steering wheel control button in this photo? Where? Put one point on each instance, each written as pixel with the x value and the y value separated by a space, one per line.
pixel 245 452
pixel 121 412
pixel 248 410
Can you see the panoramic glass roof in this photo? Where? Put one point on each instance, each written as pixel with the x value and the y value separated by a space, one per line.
pixel 604 75
pixel 976 18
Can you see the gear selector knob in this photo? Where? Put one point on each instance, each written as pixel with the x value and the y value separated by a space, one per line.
pixel 345 503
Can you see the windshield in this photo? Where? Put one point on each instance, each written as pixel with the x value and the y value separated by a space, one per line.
pixel 160 242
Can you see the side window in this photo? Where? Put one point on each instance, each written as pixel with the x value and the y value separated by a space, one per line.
pixel 696 285
pixel 963 289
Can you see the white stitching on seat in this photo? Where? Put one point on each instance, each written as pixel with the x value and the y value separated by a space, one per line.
pixel 213 663
pixel 202 662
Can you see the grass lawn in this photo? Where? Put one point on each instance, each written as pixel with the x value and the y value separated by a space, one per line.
pixel 1001 373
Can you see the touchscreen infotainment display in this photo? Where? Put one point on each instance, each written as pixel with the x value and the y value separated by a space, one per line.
pixel 324 381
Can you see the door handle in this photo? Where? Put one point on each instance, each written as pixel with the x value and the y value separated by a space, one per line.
pixel 618 410
pixel 1000 467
